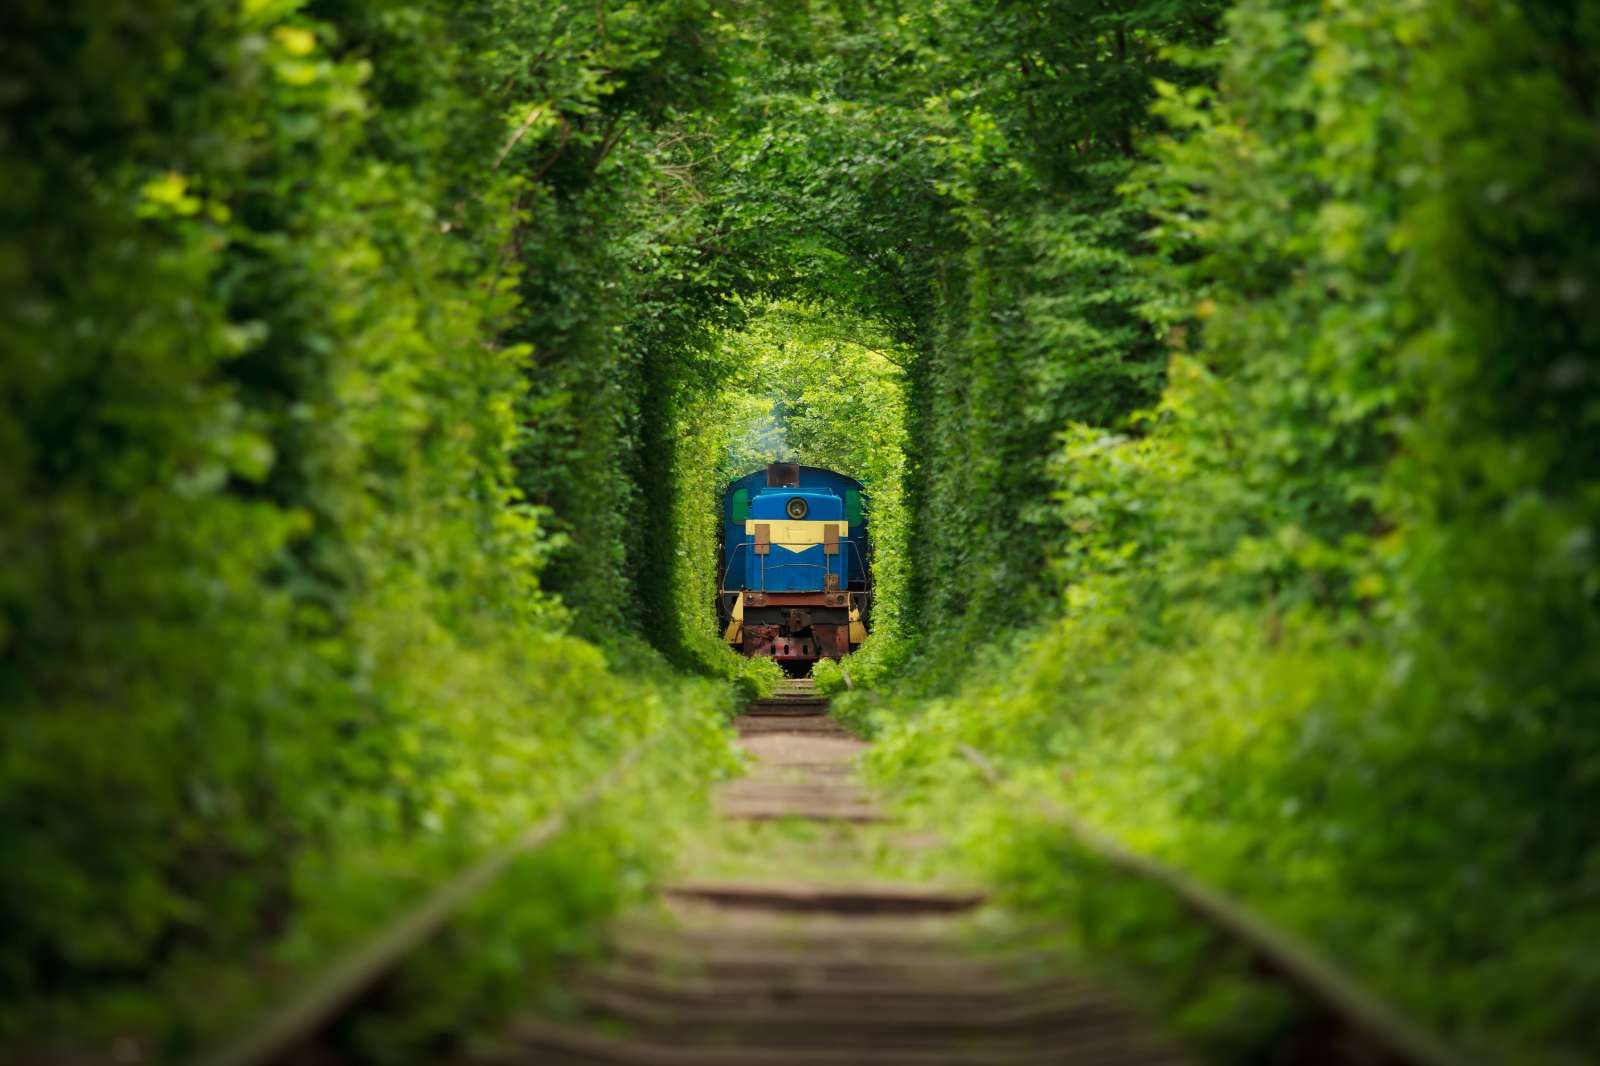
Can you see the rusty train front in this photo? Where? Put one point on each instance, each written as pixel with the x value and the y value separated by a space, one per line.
pixel 796 578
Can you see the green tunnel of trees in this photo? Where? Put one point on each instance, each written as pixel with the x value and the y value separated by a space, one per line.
pixel 369 372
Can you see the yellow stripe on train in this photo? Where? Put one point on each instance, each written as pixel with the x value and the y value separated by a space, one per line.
pixel 796 536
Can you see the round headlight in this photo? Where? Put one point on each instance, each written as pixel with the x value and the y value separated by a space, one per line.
pixel 796 508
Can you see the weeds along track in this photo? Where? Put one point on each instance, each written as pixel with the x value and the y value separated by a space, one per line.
pixel 806 926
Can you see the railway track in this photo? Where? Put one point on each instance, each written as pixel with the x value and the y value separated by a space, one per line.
pixel 765 962
pixel 810 929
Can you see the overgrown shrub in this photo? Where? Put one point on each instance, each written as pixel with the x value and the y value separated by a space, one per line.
pixel 1327 625
pixel 278 344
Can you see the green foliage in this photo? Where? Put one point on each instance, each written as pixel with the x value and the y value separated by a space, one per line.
pixel 281 310
pixel 1223 380
pixel 948 158
pixel 706 430
pixel 1328 617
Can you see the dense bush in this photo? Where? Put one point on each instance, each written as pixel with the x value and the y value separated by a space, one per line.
pixel 1328 613
pixel 289 294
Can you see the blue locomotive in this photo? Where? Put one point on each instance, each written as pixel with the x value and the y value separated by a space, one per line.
pixel 796 581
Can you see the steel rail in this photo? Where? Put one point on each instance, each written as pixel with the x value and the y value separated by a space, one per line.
pixel 284 1028
pixel 1370 1032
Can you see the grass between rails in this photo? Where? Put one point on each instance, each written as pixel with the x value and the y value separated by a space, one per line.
pixel 802 849
pixel 785 851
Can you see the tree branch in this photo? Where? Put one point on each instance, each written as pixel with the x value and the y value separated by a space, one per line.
pixel 527 124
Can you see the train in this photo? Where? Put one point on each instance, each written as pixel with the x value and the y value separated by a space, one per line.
pixel 795 580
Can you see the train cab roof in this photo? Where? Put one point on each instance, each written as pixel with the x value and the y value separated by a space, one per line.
pixel 786 480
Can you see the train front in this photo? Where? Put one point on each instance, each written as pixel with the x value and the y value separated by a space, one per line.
pixel 795 577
